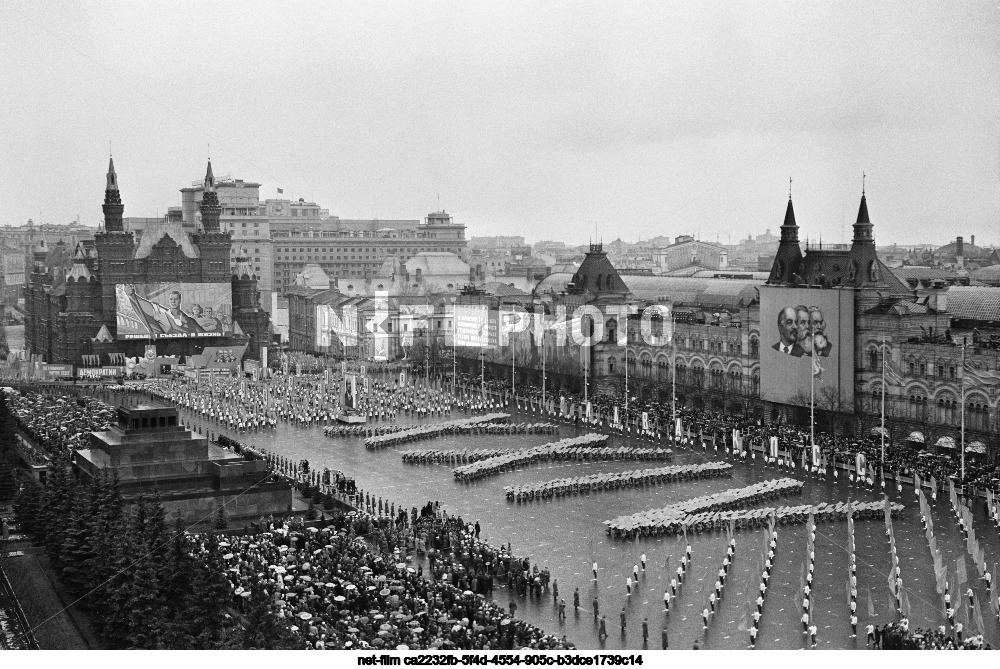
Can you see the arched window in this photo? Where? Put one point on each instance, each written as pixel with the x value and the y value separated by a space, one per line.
pixel 656 324
pixel 873 359
pixel 755 383
pixel 946 410
pixel 697 375
pixel 918 406
pixel 611 327
pixel 754 348
pixel 611 365
pixel 977 414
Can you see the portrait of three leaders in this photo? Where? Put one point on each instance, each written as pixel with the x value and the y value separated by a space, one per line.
pixel 802 332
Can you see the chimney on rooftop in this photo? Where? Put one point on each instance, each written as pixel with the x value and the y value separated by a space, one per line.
pixel 972 240
pixel 959 253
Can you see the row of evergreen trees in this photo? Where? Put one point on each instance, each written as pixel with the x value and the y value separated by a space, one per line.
pixel 8 435
pixel 145 584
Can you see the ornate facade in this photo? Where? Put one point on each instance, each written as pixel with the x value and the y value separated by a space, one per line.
pixel 72 313
pixel 714 358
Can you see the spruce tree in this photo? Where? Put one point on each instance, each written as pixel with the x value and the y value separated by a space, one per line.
pixel 211 597
pixel 8 476
pixel 221 521
pixel 263 629
pixel 113 596
pixel 27 506
pixel 75 549
pixel 147 610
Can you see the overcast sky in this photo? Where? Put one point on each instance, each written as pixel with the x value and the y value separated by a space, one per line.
pixel 548 120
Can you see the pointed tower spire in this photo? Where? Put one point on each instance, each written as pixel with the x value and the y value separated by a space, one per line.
pixel 788 259
pixel 112 177
pixel 209 178
pixel 866 271
pixel 863 226
pixel 210 208
pixel 113 208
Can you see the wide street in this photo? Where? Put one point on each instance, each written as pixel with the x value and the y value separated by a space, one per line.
pixel 567 535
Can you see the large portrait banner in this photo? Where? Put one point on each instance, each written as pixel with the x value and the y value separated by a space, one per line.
pixel 173 310
pixel 807 346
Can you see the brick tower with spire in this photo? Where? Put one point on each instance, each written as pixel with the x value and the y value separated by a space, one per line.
pixel 788 260
pixel 69 308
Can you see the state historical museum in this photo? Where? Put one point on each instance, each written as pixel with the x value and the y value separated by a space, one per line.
pixel 73 312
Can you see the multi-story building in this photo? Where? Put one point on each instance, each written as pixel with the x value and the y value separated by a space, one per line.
pixel 245 219
pixel 511 243
pixel 686 251
pixel 27 237
pixel 349 248
pixel 11 274
pixel 931 349
pixel 82 312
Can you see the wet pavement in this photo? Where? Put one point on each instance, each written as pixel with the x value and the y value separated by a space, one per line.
pixel 567 535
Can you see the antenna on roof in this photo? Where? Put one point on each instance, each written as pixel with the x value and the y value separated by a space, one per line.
pixel 862 184
pixel 789 187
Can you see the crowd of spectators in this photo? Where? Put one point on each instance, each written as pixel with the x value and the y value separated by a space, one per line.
pixel 59 423
pixel 899 636
pixel 712 426
pixel 350 583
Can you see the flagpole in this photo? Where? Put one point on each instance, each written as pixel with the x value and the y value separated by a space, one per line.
pixel 882 463
pixel 673 372
pixel 812 398
pixel 512 386
pixel 543 369
pixel 626 365
pixel 964 341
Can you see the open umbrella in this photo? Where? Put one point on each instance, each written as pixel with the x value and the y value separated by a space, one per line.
pixel 977 447
pixel 339 598
pixel 402 646
pixel 384 592
pixel 305 615
pixel 227 556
